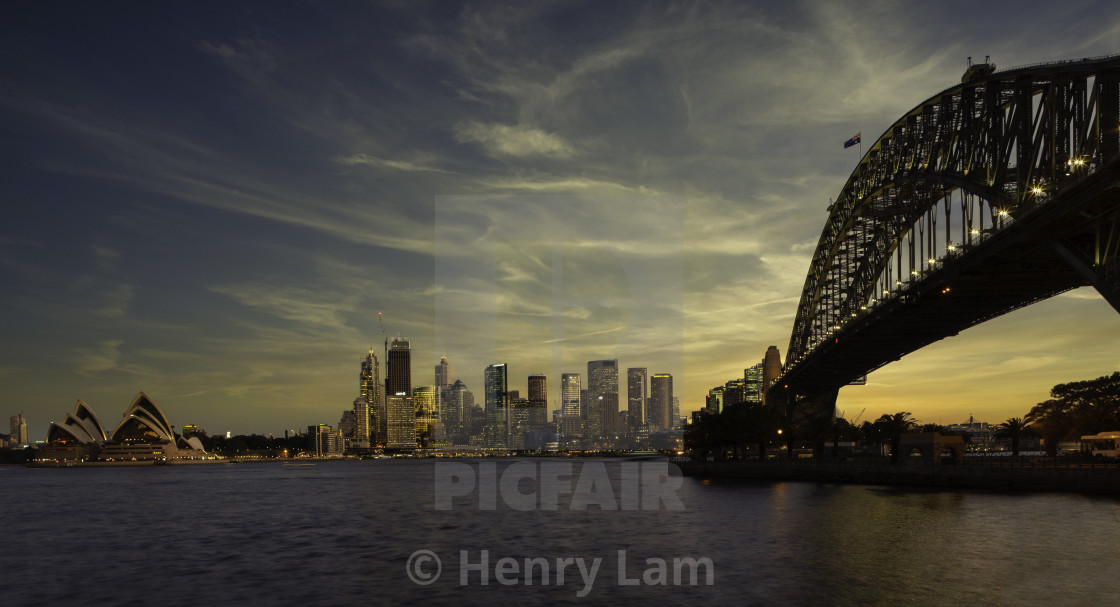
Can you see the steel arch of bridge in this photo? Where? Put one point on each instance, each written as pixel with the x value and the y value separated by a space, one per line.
pixel 1020 167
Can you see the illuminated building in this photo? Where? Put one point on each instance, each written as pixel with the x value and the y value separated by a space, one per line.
pixel 636 394
pixel 496 397
pixel 455 412
pixel 570 404
pixel 361 422
pixel 602 380
pixel 426 403
pixel 143 435
pixel 538 402
pixel 400 418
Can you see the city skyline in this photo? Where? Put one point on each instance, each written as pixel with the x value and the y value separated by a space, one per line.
pixel 216 210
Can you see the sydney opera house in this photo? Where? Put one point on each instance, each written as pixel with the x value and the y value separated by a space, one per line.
pixel 143 436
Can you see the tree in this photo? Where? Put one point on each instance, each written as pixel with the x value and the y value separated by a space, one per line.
pixel 1014 428
pixel 891 428
pixel 1053 420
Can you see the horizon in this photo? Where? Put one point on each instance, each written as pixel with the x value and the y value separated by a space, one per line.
pixel 217 211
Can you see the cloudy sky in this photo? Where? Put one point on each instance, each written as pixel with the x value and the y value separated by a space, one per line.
pixel 211 202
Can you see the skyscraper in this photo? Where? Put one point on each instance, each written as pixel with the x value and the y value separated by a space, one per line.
pixel 636 398
pixel 570 405
pixel 427 412
pixel 495 380
pixel 361 421
pixel 398 371
pixel 445 375
pixel 370 389
pixel 752 390
pixel 401 422
pixel 538 402
pixel 771 369
pixel 602 380
pixel 661 402
pixel 454 411
pixel 18 426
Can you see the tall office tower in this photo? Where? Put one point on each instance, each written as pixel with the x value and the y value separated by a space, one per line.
pixel 427 413
pixel 570 404
pixel 636 398
pixel 398 369
pixel 519 411
pixel 454 411
pixel 602 379
pixel 608 415
pixel 400 416
pixel 752 379
pixel 370 390
pixel 714 402
pixel 678 423
pixel 496 401
pixel 771 369
pixel 18 426
pixel 661 402
pixel 445 374
pixel 538 402
pixel 361 421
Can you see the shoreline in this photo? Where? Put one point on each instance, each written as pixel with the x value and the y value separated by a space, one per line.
pixel 1025 479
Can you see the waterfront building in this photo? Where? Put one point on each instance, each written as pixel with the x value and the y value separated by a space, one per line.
pixel 324 441
pixel 425 401
pixel 362 422
pixel 370 389
pixel 570 405
pixel 496 399
pixel 602 381
pixel 661 402
pixel 144 434
pixel 400 418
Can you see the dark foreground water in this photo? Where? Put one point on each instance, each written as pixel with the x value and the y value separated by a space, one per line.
pixel 342 533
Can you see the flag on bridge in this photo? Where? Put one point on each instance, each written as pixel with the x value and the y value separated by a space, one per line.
pixel 853 141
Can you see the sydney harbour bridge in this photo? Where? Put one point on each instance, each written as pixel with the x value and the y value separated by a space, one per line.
pixel 994 194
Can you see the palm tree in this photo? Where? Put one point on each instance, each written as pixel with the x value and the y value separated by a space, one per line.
pixel 1014 428
pixel 892 427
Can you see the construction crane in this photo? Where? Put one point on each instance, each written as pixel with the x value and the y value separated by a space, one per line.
pixel 858 416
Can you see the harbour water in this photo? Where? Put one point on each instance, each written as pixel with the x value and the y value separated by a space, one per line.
pixel 342 533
